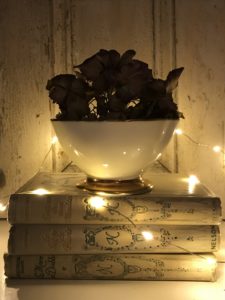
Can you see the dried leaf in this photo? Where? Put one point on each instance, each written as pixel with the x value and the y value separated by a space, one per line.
pixel 172 79
pixel 113 82
pixel 127 57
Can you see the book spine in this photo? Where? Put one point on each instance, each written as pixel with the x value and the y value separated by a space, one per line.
pixel 69 239
pixel 65 209
pixel 112 267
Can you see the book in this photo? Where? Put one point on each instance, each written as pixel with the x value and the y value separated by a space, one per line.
pixel 69 239
pixel 112 267
pixel 172 201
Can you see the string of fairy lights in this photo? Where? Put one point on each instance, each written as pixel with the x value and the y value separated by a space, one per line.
pixel 98 202
pixel 54 140
pixel 214 148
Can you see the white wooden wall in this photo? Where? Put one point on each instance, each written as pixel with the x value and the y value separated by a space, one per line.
pixel 200 34
pixel 41 38
pixel 25 65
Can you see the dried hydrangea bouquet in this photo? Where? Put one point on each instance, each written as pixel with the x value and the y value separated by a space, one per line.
pixel 115 119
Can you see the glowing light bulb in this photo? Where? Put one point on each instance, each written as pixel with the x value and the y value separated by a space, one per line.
pixel 40 192
pixel 97 202
pixel 2 207
pixel 147 235
pixel 54 140
pixel 192 180
pixel 216 149
pixel 76 152
pixel 178 131
pixel 211 261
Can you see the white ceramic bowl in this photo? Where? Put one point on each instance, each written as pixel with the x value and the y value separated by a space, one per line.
pixel 114 150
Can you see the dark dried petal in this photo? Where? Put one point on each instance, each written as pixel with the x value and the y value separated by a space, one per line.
pixel 91 67
pixel 103 57
pixel 115 104
pixel 136 112
pixel 102 107
pixel 172 79
pixel 58 94
pixel 100 84
pixel 134 70
pixel 115 116
pixel 127 57
pixel 63 80
pixel 157 87
pixel 114 81
pixel 79 87
pixel 150 108
pixel 77 106
pixel 124 94
pixel 114 58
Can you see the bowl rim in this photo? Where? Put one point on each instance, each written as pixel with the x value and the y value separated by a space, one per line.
pixel 114 121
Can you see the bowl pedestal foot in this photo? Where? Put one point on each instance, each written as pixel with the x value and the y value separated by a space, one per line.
pixel 115 187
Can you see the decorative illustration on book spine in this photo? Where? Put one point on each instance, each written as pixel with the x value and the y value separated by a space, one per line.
pixel 117 266
pixel 65 209
pixel 62 239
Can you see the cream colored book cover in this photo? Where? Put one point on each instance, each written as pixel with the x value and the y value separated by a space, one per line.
pixel 112 267
pixel 69 239
pixel 52 198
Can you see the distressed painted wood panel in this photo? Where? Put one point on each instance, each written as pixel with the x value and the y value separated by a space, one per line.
pixel 200 29
pixel 24 108
pixel 61 56
pixel 165 60
pixel 118 24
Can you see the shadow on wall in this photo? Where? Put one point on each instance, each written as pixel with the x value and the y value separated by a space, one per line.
pixel 2 179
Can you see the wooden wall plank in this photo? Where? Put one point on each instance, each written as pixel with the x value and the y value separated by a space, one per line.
pixel 24 106
pixel 62 63
pixel 118 24
pixel 201 49
pixel 164 61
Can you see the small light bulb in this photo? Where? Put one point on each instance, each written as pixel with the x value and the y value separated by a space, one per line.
pixel 178 131
pixel 2 207
pixel 54 140
pixel 211 261
pixel 192 180
pixel 217 149
pixel 40 192
pixel 147 235
pixel 97 202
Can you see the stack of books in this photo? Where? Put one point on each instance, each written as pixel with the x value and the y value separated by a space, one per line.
pixel 60 232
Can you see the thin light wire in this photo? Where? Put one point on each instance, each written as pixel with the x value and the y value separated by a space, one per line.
pixel 172 244
pixel 41 167
pixel 121 214
pixel 200 144
pixel 194 142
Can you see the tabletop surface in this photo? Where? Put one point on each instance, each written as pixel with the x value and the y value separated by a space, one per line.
pixel 110 290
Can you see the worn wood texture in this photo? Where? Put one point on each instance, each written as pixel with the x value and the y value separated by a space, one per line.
pixel 24 107
pixel 200 48
pixel 164 60
pixel 60 20
pixel 118 24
